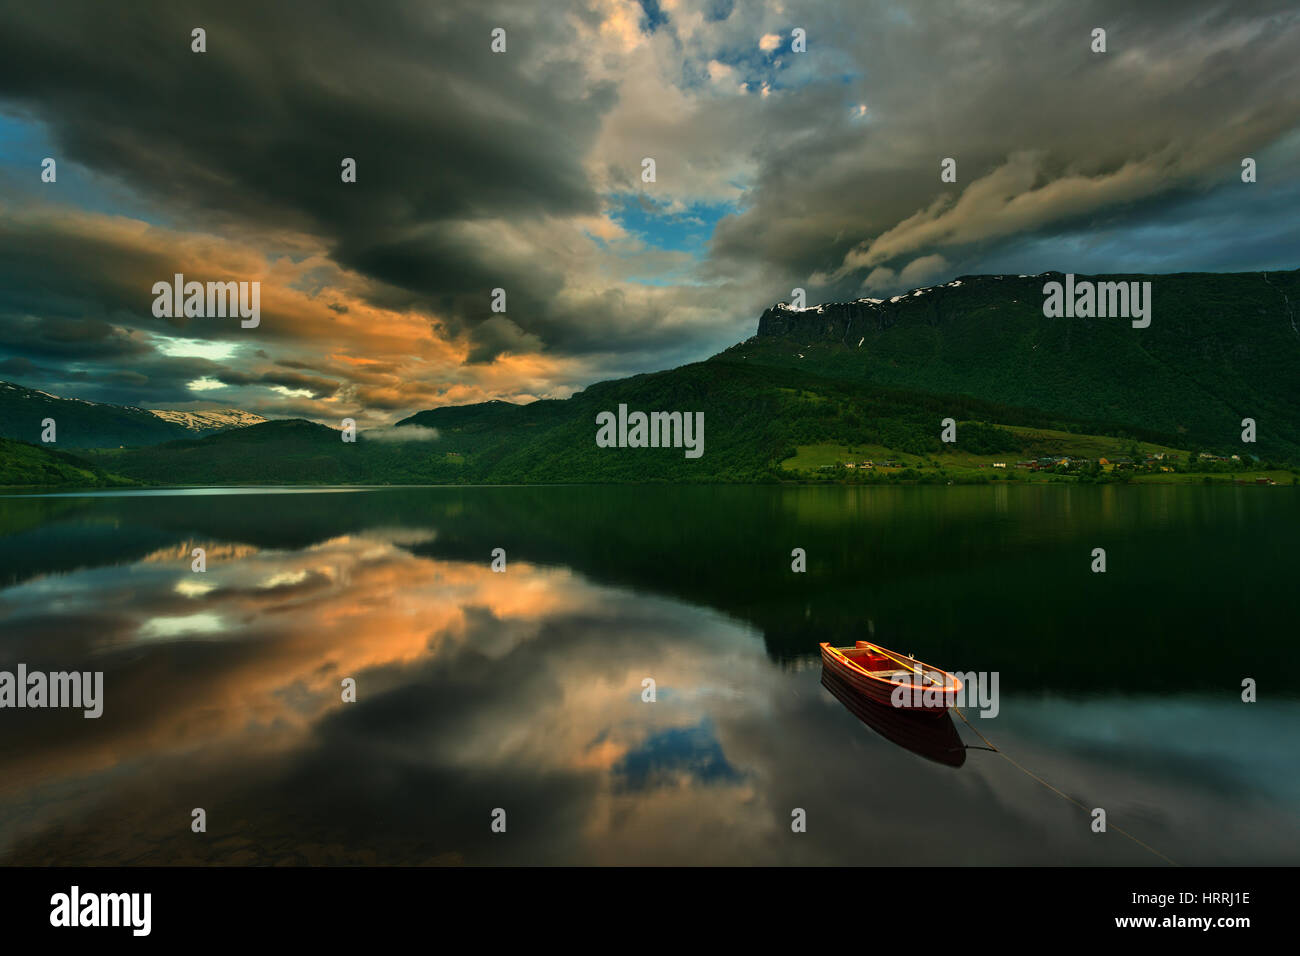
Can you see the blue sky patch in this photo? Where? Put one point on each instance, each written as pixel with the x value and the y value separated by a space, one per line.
pixel 668 755
pixel 651 221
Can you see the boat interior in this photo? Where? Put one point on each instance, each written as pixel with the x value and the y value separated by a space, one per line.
pixel 887 668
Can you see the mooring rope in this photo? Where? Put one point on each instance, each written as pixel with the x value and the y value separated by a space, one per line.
pixel 1035 776
pixel 1028 773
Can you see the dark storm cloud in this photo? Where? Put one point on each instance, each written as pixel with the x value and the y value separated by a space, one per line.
pixel 1188 88
pixel 49 268
pixel 165 380
pixel 497 335
pixel 148 379
pixel 450 273
pixel 256 128
pixel 316 385
pixel 68 338
pixel 122 366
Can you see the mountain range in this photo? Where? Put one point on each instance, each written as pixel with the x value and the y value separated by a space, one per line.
pixel 83 424
pixel 875 374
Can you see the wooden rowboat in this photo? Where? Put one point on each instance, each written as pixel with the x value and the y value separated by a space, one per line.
pixel 892 679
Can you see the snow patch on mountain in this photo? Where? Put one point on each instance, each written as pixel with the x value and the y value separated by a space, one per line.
pixel 208 420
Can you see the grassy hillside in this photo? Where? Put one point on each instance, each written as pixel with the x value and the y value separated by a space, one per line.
pixel 754 418
pixel 1220 348
pixel 26 465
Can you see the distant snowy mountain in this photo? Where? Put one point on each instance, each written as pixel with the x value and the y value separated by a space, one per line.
pixel 82 424
pixel 209 420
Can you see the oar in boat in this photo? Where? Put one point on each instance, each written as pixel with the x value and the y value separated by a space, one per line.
pixel 906 662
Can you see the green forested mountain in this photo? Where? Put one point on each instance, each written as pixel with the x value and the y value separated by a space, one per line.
pixel 276 452
pixel 1219 348
pixel 22 464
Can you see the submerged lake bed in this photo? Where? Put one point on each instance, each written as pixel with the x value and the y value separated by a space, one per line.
pixel 517 696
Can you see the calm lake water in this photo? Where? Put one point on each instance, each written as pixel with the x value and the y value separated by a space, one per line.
pixel 523 690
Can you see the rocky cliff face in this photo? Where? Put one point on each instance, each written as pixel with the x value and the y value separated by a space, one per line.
pixel 847 322
pixel 833 320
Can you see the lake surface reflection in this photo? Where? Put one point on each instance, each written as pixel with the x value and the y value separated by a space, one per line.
pixel 523 690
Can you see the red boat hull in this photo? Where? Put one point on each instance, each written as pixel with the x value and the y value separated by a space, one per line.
pixel 888 678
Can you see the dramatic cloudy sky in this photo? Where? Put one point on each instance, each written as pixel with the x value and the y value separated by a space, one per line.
pixel 522 171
